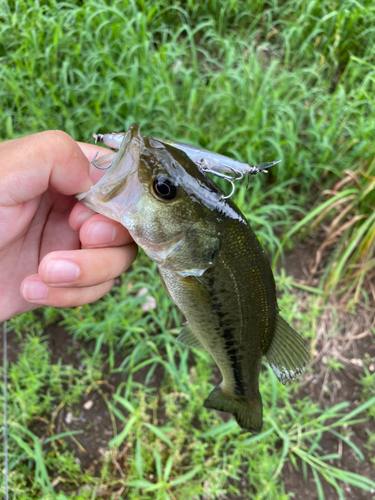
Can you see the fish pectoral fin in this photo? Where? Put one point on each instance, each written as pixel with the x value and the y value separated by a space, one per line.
pixel 287 354
pixel 247 412
pixel 188 338
pixel 197 251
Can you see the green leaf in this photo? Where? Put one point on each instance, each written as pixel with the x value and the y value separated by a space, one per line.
pixel 124 402
pixel 116 441
pixel 139 483
pixel 138 461
pixel 318 484
pixel 185 477
pixel 160 434
pixel 168 468
pixel 223 430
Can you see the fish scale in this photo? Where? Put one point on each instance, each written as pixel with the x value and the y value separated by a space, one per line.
pixel 211 264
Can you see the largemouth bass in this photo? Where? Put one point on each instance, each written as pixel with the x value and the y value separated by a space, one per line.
pixel 211 264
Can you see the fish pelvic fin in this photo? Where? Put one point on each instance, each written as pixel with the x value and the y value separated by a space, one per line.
pixel 287 354
pixel 247 412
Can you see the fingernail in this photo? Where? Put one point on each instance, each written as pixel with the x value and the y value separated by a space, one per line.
pixel 100 233
pixel 34 290
pixel 81 218
pixel 61 271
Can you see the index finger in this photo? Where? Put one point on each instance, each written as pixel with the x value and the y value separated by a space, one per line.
pixel 28 166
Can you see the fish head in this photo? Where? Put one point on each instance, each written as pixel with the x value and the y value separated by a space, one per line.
pixel 118 192
pixel 169 206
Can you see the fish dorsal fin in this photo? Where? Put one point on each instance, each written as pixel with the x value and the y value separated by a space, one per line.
pixel 188 338
pixel 287 354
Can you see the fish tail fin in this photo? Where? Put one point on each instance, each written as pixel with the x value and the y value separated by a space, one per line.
pixel 287 354
pixel 248 413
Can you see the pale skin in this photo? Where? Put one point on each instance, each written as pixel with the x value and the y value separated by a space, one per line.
pixel 53 250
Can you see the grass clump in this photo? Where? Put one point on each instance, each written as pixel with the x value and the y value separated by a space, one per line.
pixel 257 81
pixel 162 443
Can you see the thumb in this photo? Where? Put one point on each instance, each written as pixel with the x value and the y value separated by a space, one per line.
pixel 28 166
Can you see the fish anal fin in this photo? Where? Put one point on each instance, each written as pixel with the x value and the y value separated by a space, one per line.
pixel 287 354
pixel 188 338
pixel 247 412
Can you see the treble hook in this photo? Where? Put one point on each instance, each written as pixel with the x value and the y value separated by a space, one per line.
pixel 99 138
pixel 102 168
pixel 230 194
pixel 202 165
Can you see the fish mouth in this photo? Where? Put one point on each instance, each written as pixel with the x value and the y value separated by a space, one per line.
pixel 119 188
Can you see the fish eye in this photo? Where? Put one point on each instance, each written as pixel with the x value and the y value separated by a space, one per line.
pixel 165 189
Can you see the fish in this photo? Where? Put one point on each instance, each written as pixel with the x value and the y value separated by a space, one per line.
pixel 211 264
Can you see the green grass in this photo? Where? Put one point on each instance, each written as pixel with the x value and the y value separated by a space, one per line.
pixel 290 80
pixel 174 447
pixel 255 80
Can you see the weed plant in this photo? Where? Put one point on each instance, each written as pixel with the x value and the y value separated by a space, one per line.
pixel 174 448
pixel 258 81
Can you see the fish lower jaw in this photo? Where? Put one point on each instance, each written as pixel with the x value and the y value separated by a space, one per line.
pixel 90 200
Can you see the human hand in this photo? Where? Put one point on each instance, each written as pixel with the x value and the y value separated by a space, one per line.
pixel 53 250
